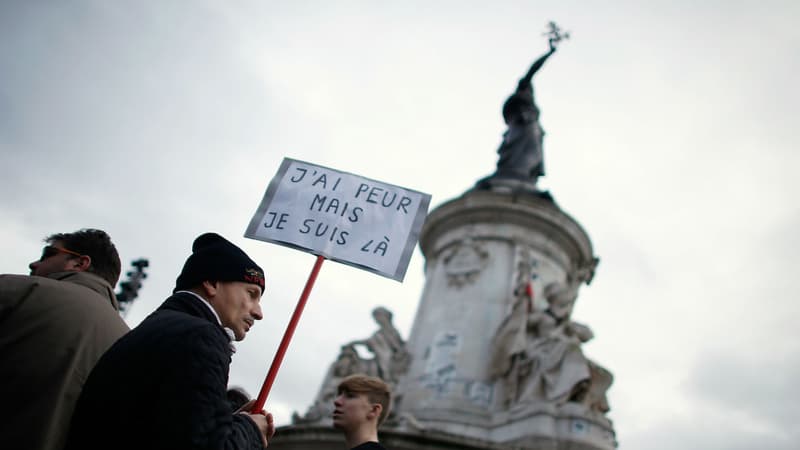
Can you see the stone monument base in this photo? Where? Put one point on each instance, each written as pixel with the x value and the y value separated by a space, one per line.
pixel 499 258
pixel 311 437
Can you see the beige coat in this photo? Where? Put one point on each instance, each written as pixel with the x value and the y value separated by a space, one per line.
pixel 52 332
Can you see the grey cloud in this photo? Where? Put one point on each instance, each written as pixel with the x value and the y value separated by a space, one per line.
pixel 758 386
pixel 154 119
pixel 700 432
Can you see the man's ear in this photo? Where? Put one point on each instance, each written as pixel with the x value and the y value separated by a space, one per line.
pixel 209 289
pixel 81 263
pixel 375 411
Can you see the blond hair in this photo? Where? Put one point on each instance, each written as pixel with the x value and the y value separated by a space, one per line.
pixel 376 390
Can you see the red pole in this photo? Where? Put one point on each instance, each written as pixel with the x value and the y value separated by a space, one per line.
pixel 287 336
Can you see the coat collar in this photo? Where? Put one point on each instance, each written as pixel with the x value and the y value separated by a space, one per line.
pixel 91 281
pixel 189 303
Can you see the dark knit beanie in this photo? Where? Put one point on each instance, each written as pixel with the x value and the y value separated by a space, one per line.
pixel 214 258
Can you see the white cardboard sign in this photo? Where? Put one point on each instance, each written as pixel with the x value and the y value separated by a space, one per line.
pixel 341 216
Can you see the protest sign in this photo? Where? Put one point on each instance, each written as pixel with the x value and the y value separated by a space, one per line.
pixel 340 216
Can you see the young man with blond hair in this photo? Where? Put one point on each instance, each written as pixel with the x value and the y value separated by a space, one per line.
pixel 361 405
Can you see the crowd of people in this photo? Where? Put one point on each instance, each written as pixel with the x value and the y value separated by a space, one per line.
pixel 75 376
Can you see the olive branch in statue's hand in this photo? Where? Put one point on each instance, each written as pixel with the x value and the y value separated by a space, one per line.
pixel 555 35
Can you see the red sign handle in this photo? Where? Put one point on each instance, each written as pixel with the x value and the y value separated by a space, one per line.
pixel 287 336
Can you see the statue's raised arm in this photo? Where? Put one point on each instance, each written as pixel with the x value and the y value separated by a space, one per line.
pixel 525 82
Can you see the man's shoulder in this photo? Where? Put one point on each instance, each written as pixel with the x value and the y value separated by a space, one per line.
pixel 74 282
pixel 180 327
pixel 22 288
pixel 184 313
pixel 12 281
pixel 180 341
pixel 59 311
pixel 14 290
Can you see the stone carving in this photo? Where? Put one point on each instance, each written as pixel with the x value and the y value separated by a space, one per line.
pixel 390 360
pixel 525 275
pixel 537 354
pixel 593 394
pixel 347 363
pixel 391 357
pixel 561 299
pixel 585 272
pixel 465 262
pixel 520 153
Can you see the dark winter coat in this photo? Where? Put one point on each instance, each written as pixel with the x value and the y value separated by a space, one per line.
pixel 163 386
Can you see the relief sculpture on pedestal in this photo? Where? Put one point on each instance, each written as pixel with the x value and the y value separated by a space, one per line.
pixel 537 356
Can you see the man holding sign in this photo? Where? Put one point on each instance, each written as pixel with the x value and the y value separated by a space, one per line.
pixel 163 385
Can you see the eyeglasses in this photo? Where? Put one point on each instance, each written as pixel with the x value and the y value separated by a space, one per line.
pixel 49 251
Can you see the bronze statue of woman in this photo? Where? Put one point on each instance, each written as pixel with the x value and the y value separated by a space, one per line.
pixel 520 153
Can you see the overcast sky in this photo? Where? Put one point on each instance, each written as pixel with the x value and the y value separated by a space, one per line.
pixel 672 137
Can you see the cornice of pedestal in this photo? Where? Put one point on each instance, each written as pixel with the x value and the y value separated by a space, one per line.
pixel 525 211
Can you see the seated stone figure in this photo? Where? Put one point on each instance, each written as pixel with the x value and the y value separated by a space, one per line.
pixel 552 367
pixel 347 363
pixel 537 356
pixel 390 360
pixel 593 393
pixel 391 356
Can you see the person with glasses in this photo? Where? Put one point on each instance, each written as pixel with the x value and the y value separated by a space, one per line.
pixel 54 325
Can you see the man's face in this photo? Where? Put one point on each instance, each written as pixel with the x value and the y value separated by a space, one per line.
pixel 238 306
pixel 351 410
pixel 55 258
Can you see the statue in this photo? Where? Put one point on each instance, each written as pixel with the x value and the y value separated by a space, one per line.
pixel 520 154
pixel 347 363
pixel 592 394
pixel 389 349
pixel 552 368
pixel 390 360
pixel 537 354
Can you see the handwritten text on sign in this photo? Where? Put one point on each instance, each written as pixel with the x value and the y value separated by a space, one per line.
pixel 341 216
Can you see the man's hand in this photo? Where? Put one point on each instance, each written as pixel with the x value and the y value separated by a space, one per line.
pixel 265 424
pixel 263 420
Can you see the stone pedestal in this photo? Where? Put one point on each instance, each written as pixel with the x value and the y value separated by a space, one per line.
pixel 496 258
pixel 479 249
